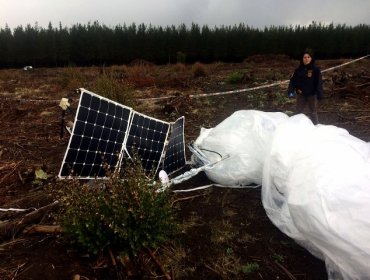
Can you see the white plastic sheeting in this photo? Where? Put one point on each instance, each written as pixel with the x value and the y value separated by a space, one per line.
pixel 244 138
pixel 315 182
pixel 316 189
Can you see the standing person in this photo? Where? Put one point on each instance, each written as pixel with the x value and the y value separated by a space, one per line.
pixel 306 84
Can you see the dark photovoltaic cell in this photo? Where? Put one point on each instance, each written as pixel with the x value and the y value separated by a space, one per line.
pixel 147 137
pixel 175 151
pixel 97 138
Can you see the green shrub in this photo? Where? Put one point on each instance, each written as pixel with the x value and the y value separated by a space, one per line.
pixel 235 78
pixel 278 257
pixel 282 98
pixel 111 88
pixel 250 267
pixel 126 214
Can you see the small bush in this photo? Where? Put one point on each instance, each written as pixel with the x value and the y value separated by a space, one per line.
pixel 140 75
pixel 110 88
pixel 273 75
pixel 71 78
pixel 282 98
pixel 250 267
pixel 199 70
pixel 126 215
pixel 235 78
pixel 179 67
pixel 117 71
pixel 278 257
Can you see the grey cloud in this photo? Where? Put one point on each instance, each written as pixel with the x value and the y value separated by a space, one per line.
pixel 173 12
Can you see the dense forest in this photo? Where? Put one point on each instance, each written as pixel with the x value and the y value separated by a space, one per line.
pixel 98 44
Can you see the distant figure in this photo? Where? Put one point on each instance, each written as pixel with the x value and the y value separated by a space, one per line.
pixel 306 85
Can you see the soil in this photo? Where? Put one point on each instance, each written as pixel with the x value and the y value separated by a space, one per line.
pixel 227 234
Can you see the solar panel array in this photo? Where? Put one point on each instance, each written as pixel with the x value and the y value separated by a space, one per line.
pixel 104 130
pixel 175 151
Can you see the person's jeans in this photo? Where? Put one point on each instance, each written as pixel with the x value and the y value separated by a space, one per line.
pixel 311 101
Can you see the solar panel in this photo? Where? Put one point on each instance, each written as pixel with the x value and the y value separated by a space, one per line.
pixel 147 137
pixel 104 130
pixel 175 151
pixel 97 139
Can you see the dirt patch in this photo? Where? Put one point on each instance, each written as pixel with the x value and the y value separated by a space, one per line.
pixel 227 234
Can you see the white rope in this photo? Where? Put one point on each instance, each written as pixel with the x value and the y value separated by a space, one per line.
pixel 30 100
pixel 250 89
pixel 219 93
pixel 155 98
pixel 238 90
pixel 346 63
pixel 216 185
pixel 14 209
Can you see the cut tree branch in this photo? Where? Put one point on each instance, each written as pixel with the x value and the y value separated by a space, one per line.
pixel 13 227
pixel 166 275
pixel 46 229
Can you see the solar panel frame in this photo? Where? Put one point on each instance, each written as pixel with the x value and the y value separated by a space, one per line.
pixel 175 157
pixel 102 127
pixel 145 145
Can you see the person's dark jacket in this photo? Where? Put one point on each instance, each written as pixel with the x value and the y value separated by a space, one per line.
pixel 307 80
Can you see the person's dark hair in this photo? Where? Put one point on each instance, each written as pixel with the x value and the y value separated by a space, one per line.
pixel 308 51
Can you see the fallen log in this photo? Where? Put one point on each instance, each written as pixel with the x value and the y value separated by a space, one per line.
pixel 11 228
pixel 45 229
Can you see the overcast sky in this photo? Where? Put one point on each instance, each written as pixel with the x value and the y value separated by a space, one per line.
pixel 258 13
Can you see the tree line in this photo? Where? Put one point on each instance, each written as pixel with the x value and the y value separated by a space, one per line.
pixel 98 44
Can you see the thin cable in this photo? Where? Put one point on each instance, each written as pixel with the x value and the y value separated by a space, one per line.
pixel 216 185
pixel 202 149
